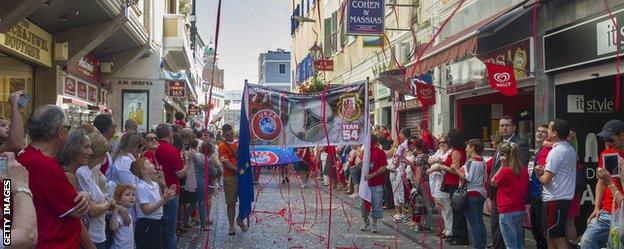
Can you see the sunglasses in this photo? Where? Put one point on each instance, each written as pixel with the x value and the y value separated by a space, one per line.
pixel 150 139
pixel 609 140
pixel 441 142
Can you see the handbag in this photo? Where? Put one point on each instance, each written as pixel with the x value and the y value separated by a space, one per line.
pixel 459 199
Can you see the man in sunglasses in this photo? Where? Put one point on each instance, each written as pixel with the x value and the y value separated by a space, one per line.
pixel 598 223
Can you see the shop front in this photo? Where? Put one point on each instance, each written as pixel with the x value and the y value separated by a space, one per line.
pixel 177 94
pixel 81 85
pixel 586 89
pixel 23 49
pixel 140 100
pixel 411 115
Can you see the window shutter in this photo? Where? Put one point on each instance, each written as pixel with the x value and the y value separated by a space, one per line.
pixel 327 51
pixel 334 31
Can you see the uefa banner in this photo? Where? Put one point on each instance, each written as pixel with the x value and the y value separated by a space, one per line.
pixel 283 119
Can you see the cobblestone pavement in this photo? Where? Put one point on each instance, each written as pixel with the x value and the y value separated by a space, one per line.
pixel 287 216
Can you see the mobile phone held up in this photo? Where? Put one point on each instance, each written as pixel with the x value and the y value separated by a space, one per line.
pixel 3 165
pixel 24 99
pixel 610 162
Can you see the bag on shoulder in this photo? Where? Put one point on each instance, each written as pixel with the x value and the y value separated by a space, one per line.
pixel 459 199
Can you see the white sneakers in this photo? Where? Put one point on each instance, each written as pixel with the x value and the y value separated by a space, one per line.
pixel 365 225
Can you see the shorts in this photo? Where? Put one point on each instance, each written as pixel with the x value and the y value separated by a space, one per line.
pixel 301 166
pixel 575 207
pixel 355 172
pixel 230 189
pixel 555 214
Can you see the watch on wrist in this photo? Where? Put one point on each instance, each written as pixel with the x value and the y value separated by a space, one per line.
pixel 25 191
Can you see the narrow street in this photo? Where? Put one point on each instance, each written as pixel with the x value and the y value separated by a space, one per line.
pixel 287 216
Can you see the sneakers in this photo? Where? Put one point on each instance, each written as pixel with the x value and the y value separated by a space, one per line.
pixel 365 226
pixel 374 227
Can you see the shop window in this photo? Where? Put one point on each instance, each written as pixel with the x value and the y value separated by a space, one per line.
pixel 14 76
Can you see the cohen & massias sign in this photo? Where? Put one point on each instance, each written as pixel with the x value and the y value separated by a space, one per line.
pixel 28 41
pixel 583 42
pixel 365 17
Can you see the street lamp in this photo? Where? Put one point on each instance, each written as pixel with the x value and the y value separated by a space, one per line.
pixel 317 52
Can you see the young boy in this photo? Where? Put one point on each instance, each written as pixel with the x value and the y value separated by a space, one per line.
pixel 123 235
pixel 148 232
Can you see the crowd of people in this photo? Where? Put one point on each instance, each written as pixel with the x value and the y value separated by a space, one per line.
pixel 81 187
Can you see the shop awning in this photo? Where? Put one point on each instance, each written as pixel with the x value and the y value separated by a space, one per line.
pixel 456 46
pixel 453 48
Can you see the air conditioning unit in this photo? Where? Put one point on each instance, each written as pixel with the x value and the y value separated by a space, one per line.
pixel 61 51
pixel 106 67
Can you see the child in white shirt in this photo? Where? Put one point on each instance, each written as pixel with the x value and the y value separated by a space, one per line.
pixel 123 234
pixel 148 231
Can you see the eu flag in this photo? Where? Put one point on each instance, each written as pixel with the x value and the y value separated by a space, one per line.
pixel 245 176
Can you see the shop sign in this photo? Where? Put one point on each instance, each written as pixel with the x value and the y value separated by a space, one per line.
pixel 92 94
pixel 192 110
pixel 516 55
pixel 584 42
pixel 366 17
pixel 324 65
pixel 578 103
pixel 426 93
pixel 502 78
pixel 136 82
pixel 29 41
pixel 82 90
pixel 70 86
pixel 451 89
pixel 177 89
pixel 408 105
pixel 88 68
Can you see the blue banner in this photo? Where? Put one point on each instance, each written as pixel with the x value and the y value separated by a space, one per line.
pixel 366 17
pixel 245 173
pixel 273 156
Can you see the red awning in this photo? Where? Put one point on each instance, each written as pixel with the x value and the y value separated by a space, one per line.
pixel 75 102
pixel 454 47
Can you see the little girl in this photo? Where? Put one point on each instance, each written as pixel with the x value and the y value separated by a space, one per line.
pixel 123 235
pixel 148 232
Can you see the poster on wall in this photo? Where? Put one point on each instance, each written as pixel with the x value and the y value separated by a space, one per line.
pixel 70 86
pixel 135 106
pixel 92 94
pixel 577 103
pixel 82 90
pixel 279 119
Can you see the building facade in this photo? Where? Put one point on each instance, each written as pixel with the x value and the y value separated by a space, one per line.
pixel 274 69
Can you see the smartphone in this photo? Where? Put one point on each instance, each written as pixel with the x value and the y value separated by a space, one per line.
pixel 610 162
pixel 3 165
pixel 24 99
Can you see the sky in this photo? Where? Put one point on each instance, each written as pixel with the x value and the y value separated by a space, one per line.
pixel 248 28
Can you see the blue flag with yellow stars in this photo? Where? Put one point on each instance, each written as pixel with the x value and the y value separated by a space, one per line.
pixel 245 174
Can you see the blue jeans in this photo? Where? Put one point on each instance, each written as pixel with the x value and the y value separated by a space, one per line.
pixel 170 223
pixel 512 229
pixel 198 198
pixel 597 233
pixel 377 194
pixel 474 213
pixel 100 245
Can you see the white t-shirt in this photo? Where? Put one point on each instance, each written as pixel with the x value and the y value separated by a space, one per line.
pixel 86 182
pixel 147 193
pixel 436 178
pixel 121 173
pixel 124 236
pixel 561 161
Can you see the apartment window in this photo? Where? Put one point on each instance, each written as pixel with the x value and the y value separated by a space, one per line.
pixel 282 69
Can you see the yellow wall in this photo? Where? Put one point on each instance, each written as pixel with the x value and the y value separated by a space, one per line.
pixel 170 27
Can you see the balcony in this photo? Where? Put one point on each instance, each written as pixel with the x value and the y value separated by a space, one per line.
pixel 177 48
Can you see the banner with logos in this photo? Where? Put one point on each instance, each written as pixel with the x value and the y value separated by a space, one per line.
pixel 272 156
pixel 502 78
pixel 366 17
pixel 282 119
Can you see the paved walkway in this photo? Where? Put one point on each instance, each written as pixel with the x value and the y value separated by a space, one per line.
pixel 287 216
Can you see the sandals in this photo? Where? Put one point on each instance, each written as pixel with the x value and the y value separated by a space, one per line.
pixel 231 233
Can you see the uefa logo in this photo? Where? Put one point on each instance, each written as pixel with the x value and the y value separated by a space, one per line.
pixel 266 125
pixel 260 158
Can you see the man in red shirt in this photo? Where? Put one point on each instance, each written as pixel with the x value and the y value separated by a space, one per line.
pixel 598 223
pixel 376 180
pixel 170 159
pixel 58 205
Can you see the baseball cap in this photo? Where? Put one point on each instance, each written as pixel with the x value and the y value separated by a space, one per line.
pixel 611 128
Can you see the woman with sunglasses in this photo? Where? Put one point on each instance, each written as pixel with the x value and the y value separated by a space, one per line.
pixel 151 144
pixel 443 200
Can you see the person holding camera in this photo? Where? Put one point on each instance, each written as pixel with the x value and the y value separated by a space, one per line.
pixel 598 223
pixel 13 141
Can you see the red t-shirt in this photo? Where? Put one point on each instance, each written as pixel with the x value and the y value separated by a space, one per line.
pixel 543 153
pixel 53 198
pixel 607 199
pixel 105 165
pixel 151 157
pixel 377 161
pixel 169 158
pixel 512 190
pixel 452 179
pixel 181 123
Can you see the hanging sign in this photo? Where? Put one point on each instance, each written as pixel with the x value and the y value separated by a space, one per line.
pixel 282 119
pixel 177 89
pixel 366 17
pixel 88 68
pixel 192 110
pixel 324 65
pixel 502 78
